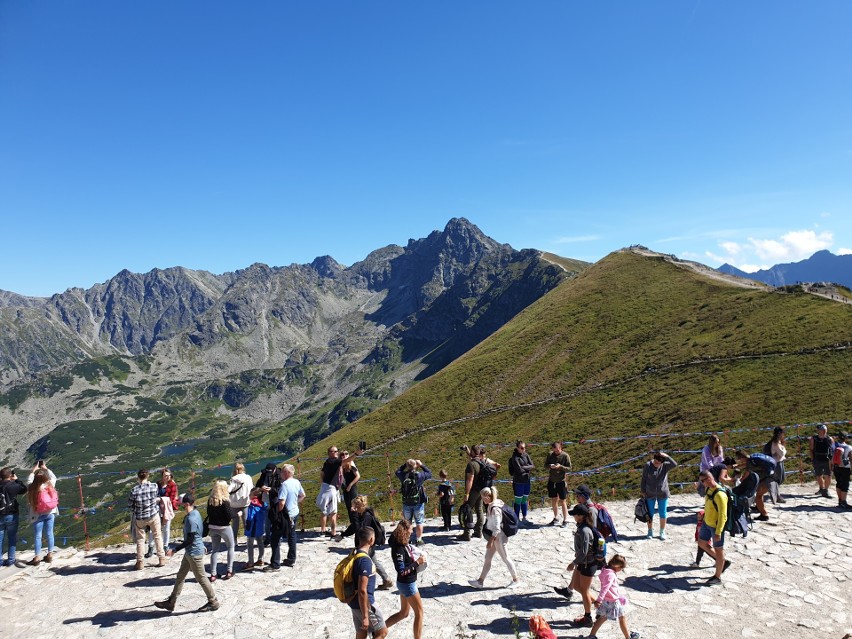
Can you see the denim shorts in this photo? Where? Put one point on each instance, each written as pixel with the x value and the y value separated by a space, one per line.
pixel 706 533
pixel 414 514
pixel 407 590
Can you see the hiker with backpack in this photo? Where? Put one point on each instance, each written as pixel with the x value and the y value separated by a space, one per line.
pixel 842 463
pixel 269 482
pixel 589 557
pixel 520 467
pixel 43 501
pixel 500 524
pixel 601 518
pixel 558 463
pixel 479 473
pixel 407 562
pixel 362 516
pixel 611 604
pixel 655 489
pixel 362 581
pixel 10 488
pixel 764 467
pixel 821 447
pixel 711 537
pixel 412 474
pixel 446 498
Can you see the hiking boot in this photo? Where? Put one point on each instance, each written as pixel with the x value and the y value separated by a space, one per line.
pixel 386 585
pixel 762 518
pixel 150 553
pixel 35 561
pixel 553 523
pixel 168 604
pixel 477 533
pixel 564 523
pixel 139 566
pixel 726 565
pixel 288 562
pixel 585 621
pixel 210 606
pixel 48 557
pixel 780 500
pixel 844 504
pixel 713 581
pixel 565 592
pixel 161 563
pixel 465 536
pixel 825 493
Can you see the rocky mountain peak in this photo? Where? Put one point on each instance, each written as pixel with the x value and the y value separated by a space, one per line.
pixel 327 266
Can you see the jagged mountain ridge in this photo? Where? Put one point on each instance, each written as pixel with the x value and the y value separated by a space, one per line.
pixel 822 266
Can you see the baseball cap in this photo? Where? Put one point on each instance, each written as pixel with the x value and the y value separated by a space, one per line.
pixel 579 509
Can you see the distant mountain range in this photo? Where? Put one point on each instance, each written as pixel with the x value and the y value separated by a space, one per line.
pixel 822 266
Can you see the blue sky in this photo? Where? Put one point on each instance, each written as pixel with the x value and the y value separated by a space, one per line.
pixel 214 135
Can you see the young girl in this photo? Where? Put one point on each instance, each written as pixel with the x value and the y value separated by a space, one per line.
pixel 446 497
pixel 700 553
pixel 43 501
pixel 610 602
pixel 254 525
pixel 406 564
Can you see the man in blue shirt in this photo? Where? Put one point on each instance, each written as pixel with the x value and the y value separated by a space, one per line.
pixel 290 496
pixel 367 618
pixel 193 559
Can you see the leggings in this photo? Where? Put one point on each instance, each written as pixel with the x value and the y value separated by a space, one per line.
pixel 219 536
pixel 522 497
pixel 652 507
pixel 251 542
pixel 499 547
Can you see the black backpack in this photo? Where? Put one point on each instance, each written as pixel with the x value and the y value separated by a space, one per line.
pixel 509 521
pixel 410 490
pixel 485 475
pixel 4 503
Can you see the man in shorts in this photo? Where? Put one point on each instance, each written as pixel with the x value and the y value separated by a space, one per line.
pixel 331 476
pixel 843 469
pixel 712 530
pixel 367 618
pixel 412 474
pixel 558 463
pixel 821 446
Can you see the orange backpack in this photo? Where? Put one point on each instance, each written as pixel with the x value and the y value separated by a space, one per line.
pixel 540 628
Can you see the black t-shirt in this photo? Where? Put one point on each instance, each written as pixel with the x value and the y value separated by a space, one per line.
pixel 349 477
pixel 330 469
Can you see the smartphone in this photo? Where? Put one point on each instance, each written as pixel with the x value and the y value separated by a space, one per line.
pixel 40 463
pixel 362 445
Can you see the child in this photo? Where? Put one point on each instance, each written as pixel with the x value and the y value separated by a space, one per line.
pixel 447 497
pixel 255 522
pixel 610 603
pixel 700 552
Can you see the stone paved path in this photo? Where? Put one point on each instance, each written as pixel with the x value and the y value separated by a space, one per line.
pixel 790 578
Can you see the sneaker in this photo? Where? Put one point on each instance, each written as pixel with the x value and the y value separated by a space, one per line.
pixel 552 523
pixel 780 500
pixel 663 535
pixel 564 523
pixel 35 561
pixel 420 542
pixel 464 537
pixel 386 585
pixel 48 557
pixel 726 565
pixel 475 583
pixel 477 533
pixel 650 533
pixel 584 621
pixel 825 494
pixel 694 564
pixel 249 566
pixel 271 568
pixel 168 604
pixel 288 562
pixel 713 581
pixel 634 635
pixel 565 592
pixel 762 518
pixel 514 584
pixel 210 606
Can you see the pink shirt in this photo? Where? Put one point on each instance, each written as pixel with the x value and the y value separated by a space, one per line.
pixel 609 586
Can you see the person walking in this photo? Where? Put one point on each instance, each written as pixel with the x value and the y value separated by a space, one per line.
pixel 496 539
pixel 478 474
pixel 412 474
pixel 558 463
pixel 711 537
pixel 219 517
pixel 239 496
pixel 144 504
pixel 611 604
pixel 193 560
pixel 290 498
pixel 655 489
pixel 520 467
pixel 406 566
pixel 842 463
pixel 821 446
pixel 43 501
pixel 10 488
pixel 362 516
pixel 584 565
pixel 366 616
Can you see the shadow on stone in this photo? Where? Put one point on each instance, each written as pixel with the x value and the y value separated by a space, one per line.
pixel 156 582
pixel 298 596
pixel 111 618
pixel 527 602
pixel 114 558
pixel 653 584
pixel 442 590
pixel 88 569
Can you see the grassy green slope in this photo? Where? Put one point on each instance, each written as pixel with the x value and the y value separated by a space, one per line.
pixel 633 345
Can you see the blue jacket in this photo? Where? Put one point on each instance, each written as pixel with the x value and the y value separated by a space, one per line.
pixel 255 519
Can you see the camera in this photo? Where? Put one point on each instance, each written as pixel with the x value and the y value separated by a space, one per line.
pixel 362 445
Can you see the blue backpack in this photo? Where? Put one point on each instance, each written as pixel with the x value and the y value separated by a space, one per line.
pixel 763 465
pixel 606 526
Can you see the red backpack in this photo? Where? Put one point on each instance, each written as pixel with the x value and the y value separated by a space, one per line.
pixel 540 628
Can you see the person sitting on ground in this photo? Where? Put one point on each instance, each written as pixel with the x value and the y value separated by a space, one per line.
pixel 412 474
pixel 362 516
pixel 496 539
pixel 406 565
pixel 611 604
pixel 193 559
pixel 655 489
pixel 219 517
pixel 558 463
pixel 255 524
pixel 842 462
pixel 713 529
pixel 520 467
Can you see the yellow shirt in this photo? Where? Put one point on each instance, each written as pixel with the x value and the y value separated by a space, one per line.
pixel 716 510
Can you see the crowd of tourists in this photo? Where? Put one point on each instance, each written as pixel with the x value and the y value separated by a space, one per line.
pixel 732 486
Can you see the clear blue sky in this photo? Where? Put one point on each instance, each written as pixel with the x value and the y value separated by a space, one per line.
pixel 217 134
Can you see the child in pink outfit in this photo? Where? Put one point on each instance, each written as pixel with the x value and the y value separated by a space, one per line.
pixel 611 603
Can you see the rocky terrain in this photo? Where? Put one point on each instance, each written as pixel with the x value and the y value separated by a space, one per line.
pixel 789 578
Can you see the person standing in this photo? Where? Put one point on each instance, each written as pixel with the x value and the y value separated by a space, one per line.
pixel 193 560
pixel 269 482
pixel 144 504
pixel 10 488
pixel 239 495
pixel 711 455
pixel 406 578
pixel 331 478
pixel 558 464
pixel 367 618
pixel 412 474
pixel 351 477
pixel 255 525
pixel 290 497
pixel 168 491
pixel 446 498
pixel 711 537
pixel 842 462
pixel 777 449
pixel 821 446
pixel 520 467
pixel 584 496
pixel 220 516
pixel 496 539
pixel 477 475
pixel 655 489
pixel 43 501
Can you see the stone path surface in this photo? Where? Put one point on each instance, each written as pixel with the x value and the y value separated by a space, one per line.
pixel 790 578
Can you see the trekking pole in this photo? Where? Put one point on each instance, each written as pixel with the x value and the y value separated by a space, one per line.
pixel 83 510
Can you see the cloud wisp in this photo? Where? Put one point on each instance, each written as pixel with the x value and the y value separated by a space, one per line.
pixel 756 254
